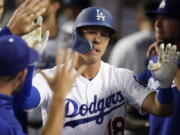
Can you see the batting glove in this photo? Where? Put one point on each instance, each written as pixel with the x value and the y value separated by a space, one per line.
pixel 34 38
pixel 165 69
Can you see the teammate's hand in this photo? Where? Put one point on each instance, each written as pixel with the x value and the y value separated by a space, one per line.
pixel 64 77
pixel 34 38
pixel 50 22
pixel 153 49
pixel 165 69
pixel 21 21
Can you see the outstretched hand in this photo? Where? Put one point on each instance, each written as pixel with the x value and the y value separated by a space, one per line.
pixel 165 69
pixel 64 77
pixel 21 21
pixel 34 38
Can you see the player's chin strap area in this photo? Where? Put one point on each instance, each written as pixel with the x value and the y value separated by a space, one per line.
pixel 79 44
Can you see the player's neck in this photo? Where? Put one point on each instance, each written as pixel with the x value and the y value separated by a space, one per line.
pixel 91 70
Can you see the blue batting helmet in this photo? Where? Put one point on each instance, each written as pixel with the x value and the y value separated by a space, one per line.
pixel 92 16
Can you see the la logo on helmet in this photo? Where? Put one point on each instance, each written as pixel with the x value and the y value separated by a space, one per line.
pixel 100 15
pixel 163 4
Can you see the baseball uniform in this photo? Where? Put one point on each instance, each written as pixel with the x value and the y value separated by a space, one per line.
pixel 95 106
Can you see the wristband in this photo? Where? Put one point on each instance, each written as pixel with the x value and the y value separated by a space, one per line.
pixel 165 95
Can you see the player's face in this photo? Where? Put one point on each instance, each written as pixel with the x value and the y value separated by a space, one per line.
pixel 19 87
pixel 167 29
pixel 20 81
pixel 99 37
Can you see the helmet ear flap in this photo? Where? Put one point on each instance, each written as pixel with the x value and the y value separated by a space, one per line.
pixel 80 44
pixel 92 16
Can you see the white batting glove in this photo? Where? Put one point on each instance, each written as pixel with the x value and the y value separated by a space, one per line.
pixel 34 38
pixel 165 69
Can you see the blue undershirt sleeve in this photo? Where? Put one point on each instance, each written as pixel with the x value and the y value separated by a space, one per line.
pixel 144 77
pixel 146 74
pixel 5 31
pixel 28 97
pixel 8 129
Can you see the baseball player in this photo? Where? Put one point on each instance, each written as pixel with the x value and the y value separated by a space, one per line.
pixel 167 29
pixel 97 101
pixel 21 23
pixel 15 57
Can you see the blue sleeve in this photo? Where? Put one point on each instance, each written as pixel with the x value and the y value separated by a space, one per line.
pixel 144 76
pixel 7 129
pixel 5 31
pixel 28 97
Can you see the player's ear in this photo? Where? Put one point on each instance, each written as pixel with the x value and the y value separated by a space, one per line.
pixel 21 76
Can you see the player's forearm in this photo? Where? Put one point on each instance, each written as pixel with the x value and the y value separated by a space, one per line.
pixel 153 106
pixel 163 110
pixel 164 101
pixel 55 119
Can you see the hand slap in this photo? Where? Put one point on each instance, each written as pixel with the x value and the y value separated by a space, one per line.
pixel 165 69
pixel 35 40
pixel 64 77
pixel 21 21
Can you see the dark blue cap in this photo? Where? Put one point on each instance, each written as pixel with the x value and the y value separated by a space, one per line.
pixel 169 8
pixel 15 55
